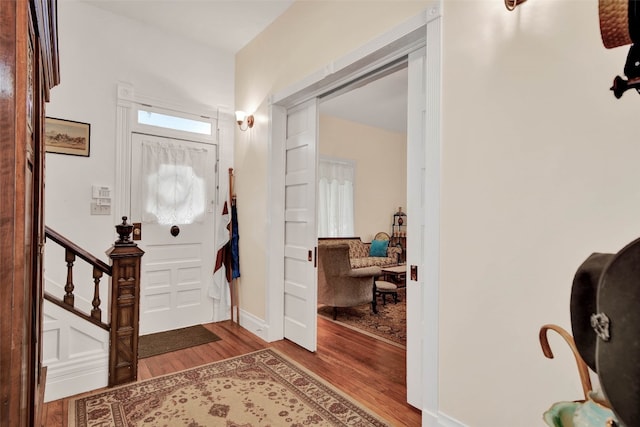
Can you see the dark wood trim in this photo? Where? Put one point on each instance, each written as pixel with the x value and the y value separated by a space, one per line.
pixel 125 312
pixel 52 299
pixel 40 399
pixel 9 276
pixel 27 54
pixel 328 239
pixel 77 250
pixel 123 304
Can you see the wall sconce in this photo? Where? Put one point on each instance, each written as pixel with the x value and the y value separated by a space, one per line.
pixel 242 118
pixel 511 4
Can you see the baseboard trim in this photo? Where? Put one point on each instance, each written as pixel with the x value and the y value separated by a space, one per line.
pixel 446 421
pixel 255 325
pixel 75 377
pixel 429 419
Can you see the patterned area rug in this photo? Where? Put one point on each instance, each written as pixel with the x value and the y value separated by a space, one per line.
pixel 263 388
pixel 390 324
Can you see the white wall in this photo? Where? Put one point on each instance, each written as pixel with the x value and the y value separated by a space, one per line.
pixel 92 63
pixel 538 171
pixel 381 170
pixel 97 50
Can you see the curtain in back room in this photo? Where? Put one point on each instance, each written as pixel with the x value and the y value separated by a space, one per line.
pixel 335 197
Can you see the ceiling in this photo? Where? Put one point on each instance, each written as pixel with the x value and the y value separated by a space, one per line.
pixel 230 24
pixel 222 24
pixel 381 103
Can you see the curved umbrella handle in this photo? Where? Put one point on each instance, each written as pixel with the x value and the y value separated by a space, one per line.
pixel 583 369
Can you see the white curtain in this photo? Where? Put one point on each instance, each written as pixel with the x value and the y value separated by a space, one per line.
pixel 335 198
pixel 173 187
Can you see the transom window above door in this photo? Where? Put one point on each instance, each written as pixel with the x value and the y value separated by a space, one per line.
pixel 174 122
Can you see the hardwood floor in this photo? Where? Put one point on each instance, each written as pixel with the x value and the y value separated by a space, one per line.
pixel 370 371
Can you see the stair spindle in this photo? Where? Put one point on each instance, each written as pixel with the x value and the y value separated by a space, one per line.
pixel 96 312
pixel 70 258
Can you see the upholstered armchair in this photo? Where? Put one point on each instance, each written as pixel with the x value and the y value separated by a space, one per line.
pixel 338 284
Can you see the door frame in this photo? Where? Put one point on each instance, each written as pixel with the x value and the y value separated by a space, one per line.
pixel 397 43
pixel 126 124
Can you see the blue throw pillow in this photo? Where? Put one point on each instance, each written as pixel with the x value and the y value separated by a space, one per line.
pixel 379 248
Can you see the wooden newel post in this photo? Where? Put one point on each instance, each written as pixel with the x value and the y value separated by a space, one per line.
pixel 125 306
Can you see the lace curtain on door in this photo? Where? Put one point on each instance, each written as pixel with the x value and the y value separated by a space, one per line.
pixel 335 198
pixel 173 184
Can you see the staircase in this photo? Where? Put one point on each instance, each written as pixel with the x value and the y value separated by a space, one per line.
pixel 85 348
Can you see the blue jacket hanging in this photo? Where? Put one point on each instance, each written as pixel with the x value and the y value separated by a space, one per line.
pixel 235 237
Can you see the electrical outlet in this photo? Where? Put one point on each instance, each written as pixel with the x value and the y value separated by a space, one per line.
pixel 98 209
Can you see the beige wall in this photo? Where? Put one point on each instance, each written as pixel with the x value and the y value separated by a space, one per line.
pixel 539 169
pixel 381 170
pixel 306 37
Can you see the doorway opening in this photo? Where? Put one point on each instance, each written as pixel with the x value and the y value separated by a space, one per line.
pixel 364 124
pixel 409 39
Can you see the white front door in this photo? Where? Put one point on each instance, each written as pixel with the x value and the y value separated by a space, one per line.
pixel 173 197
pixel 300 276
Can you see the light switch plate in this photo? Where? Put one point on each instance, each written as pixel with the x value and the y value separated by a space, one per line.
pixel 97 209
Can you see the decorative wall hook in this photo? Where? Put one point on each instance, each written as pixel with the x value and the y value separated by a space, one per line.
pixel 631 70
pixel 620 26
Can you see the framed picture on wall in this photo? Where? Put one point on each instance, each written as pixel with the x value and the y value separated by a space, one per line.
pixel 66 137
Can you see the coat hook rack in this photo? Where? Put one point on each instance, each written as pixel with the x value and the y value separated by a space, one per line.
pixel 511 4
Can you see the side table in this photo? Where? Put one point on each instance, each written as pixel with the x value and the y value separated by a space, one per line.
pixel 396 274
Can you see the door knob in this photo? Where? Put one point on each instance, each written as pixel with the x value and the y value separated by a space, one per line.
pixel 175 230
